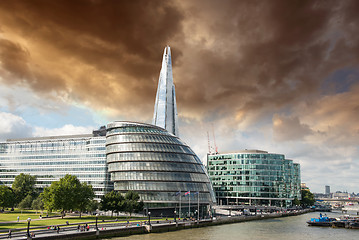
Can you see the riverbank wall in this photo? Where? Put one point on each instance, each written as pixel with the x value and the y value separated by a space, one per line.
pixel 113 230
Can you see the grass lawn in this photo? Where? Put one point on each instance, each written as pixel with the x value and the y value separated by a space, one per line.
pixel 7 218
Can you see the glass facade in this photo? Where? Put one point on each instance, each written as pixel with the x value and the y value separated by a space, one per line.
pixel 165 113
pixel 156 164
pixel 51 158
pixel 253 177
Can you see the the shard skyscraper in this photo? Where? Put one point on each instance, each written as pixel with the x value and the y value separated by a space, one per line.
pixel 165 114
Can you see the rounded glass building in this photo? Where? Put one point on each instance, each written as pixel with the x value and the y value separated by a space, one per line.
pixel 160 167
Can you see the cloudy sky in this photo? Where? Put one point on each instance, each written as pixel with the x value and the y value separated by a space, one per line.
pixel 279 76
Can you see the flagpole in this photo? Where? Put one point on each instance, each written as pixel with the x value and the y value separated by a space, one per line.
pixel 180 207
pixel 189 204
pixel 197 207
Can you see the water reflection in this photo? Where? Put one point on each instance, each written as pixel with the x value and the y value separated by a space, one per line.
pixel 280 229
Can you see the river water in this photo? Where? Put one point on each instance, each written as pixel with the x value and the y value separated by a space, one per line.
pixel 287 228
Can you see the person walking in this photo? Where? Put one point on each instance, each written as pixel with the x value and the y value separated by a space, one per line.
pixel 58 228
pixel 9 236
pixel 18 218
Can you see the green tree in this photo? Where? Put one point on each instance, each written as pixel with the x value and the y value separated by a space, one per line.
pixel 93 205
pixel 6 197
pixel 307 198
pixel 112 201
pixel 132 203
pixel 38 204
pixel 26 202
pixel 23 185
pixel 296 202
pixel 86 194
pixel 67 194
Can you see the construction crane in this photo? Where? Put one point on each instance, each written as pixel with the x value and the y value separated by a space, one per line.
pixel 209 144
pixel 214 140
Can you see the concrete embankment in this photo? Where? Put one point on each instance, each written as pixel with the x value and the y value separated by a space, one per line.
pixel 118 230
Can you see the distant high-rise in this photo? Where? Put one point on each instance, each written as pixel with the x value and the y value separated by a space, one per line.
pixel 165 114
pixel 327 189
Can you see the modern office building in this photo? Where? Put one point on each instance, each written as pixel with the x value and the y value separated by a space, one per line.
pixel 156 164
pixel 51 158
pixel 254 177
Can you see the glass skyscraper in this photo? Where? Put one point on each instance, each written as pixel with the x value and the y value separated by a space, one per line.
pixel 165 113
pixel 254 177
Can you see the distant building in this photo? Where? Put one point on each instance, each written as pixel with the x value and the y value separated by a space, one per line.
pixel 253 177
pixel 327 190
pixel 341 195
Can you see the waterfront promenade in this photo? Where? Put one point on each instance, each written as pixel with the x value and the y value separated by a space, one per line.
pixel 124 228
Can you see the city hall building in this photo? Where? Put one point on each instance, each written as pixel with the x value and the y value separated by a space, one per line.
pixel 254 177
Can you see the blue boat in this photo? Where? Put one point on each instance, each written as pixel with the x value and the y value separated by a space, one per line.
pixel 322 221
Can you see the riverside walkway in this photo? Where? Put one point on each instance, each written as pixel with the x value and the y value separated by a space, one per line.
pixel 124 228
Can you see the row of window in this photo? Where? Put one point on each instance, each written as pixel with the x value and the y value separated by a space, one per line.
pixel 142 138
pixel 162 186
pixel 170 196
pixel 245 155
pixel 244 162
pixel 249 166
pixel 56 163
pixel 154 166
pixel 48 143
pixel 84 156
pixel 136 129
pixel 134 147
pixel 61 169
pixel 246 172
pixel 159 176
pixel 254 195
pixel 151 156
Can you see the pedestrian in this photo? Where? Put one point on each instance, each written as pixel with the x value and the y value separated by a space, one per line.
pixel 9 236
pixel 18 218
pixel 78 227
pixel 58 228
pixel 88 227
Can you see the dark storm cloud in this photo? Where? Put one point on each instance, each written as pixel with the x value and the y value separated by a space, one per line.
pixel 77 42
pixel 232 56
pixel 266 53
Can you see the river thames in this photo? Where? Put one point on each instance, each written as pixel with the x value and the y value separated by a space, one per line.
pixel 292 228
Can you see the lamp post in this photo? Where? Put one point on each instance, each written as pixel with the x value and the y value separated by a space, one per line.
pixel 195 212
pixel 175 216
pixel 28 228
pixel 149 218
pixel 97 232
pixel 96 220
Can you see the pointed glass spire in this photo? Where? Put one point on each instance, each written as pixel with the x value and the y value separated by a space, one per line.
pixel 165 114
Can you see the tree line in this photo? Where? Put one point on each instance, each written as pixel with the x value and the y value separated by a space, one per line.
pixel 64 195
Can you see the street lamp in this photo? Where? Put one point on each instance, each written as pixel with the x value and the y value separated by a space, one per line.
pixel 149 218
pixel 96 221
pixel 175 216
pixel 28 228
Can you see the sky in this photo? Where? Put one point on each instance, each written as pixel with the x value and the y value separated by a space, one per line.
pixel 279 76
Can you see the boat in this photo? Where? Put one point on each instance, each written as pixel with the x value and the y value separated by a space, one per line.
pixel 322 221
pixel 346 222
pixel 353 224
